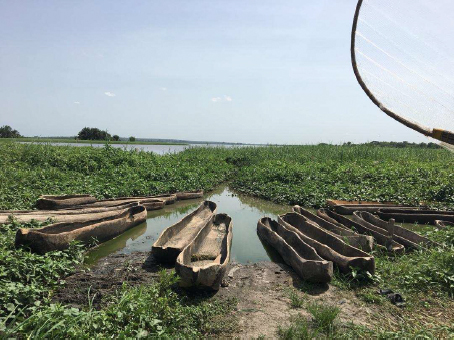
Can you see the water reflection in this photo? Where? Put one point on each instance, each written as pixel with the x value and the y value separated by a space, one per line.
pixel 245 212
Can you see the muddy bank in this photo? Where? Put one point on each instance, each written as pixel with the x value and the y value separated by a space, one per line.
pixel 261 290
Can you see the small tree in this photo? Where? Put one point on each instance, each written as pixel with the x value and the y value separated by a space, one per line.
pixel 132 139
pixel 7 131
pixel 116 138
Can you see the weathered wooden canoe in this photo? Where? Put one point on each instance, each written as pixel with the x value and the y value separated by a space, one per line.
pixel 148 203
pixel 59 235
pixel 63 201
pixel 419 216
pixel 349 207
pixel 303 258
pixel 167 198
pixel 444 224
pixel 363 242
pixel 204 261
pixel 380 237
pixel 402 235
pixel 176 237
pixel 63 215
pixel 186 195
pixel 328 246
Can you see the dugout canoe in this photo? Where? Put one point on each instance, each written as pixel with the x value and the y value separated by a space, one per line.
pixel 148 203
pixel 329 247
pixel 168 198
pixel 204 261
pixel 187 195
pixel 363 242
pixel 402 235
pixel 443 224
pixel 51 202
pixel 303 258
pixel 349 207
pixel 58 236
pixel 380 237
pixel 63 215
pixel 176 237
pixel 420 216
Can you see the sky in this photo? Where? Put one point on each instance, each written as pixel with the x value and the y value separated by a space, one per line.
pixel 254 71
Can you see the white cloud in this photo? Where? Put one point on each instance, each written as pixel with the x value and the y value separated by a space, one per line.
pixel 109 94
pixel 77 103
pixel 225 98
pixel 164 88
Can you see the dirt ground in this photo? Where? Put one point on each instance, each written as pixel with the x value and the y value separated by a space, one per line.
pixel 261 289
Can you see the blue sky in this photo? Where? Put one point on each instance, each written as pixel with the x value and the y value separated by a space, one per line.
pixel 253 71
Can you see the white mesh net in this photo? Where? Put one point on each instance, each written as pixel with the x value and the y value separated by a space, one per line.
pixel 405 55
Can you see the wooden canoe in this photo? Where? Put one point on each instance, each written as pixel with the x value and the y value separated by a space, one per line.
pixel 50 202
pixel 175 238
pixel 378 234
pixel 419 216
pixel 187 195
pixel 148 203
pixel 303 258
pixel 328 246
pixel 363 242
pixel 443 224
pixel 58 236
pixel 349 207
pixel 204 261
pixel 63 215
pixel 168 198
pixel 400 234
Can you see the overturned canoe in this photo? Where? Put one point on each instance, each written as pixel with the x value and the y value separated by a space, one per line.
pixel 363 242
pixel 176 237
pixel 419 216
pixel 294 251
pixel 443 224
pixel 204 261
pixel 328 246
pixel 400 234
pixel 63 215
pixel 58 236
pixel 51 202
pixel 381 237
pixel 148 203
pixel 187 195
pixel 349 207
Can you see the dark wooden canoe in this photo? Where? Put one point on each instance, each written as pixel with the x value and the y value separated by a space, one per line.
pixel 176 237
pixel 443 224
pixel 148 203
pixel 303 258
pixel 379 236
pixel 349 207
pixel 51 202
pixel 419 216
pixel 58 236
pixel 187 195
pixel 400 234
pixel 329 247
pixel 363 242
pixel 63 215
pixel 204 261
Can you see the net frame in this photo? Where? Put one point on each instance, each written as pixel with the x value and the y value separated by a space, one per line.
pixel 444 136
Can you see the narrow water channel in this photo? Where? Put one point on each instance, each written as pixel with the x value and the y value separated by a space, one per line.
pixel 244 210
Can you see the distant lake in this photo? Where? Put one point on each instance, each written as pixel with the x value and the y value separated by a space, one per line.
pixel 158 149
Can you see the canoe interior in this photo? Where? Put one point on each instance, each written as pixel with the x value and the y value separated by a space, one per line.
pixel 65 197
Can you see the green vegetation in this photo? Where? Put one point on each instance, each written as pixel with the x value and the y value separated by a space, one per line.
pixel 74 140
pixel 132 139
pixel 93 134
pixel 7 131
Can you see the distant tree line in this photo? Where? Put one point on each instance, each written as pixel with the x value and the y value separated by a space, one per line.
pixel 88 133
pixel 403 144
pixel 7 131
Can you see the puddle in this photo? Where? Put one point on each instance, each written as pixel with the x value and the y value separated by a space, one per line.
pixel 244 210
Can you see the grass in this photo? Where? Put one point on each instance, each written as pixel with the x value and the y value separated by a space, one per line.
pixel 72 140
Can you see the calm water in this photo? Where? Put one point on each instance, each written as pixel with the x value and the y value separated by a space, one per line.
pixel 245 212
pixel 158 149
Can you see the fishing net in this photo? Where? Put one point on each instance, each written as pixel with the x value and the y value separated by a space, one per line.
pixel 403 57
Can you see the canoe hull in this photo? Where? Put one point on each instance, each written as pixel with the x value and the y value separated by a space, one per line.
pixel 415 216
pixel 51 202
pixel 187 195
pixel 59 235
